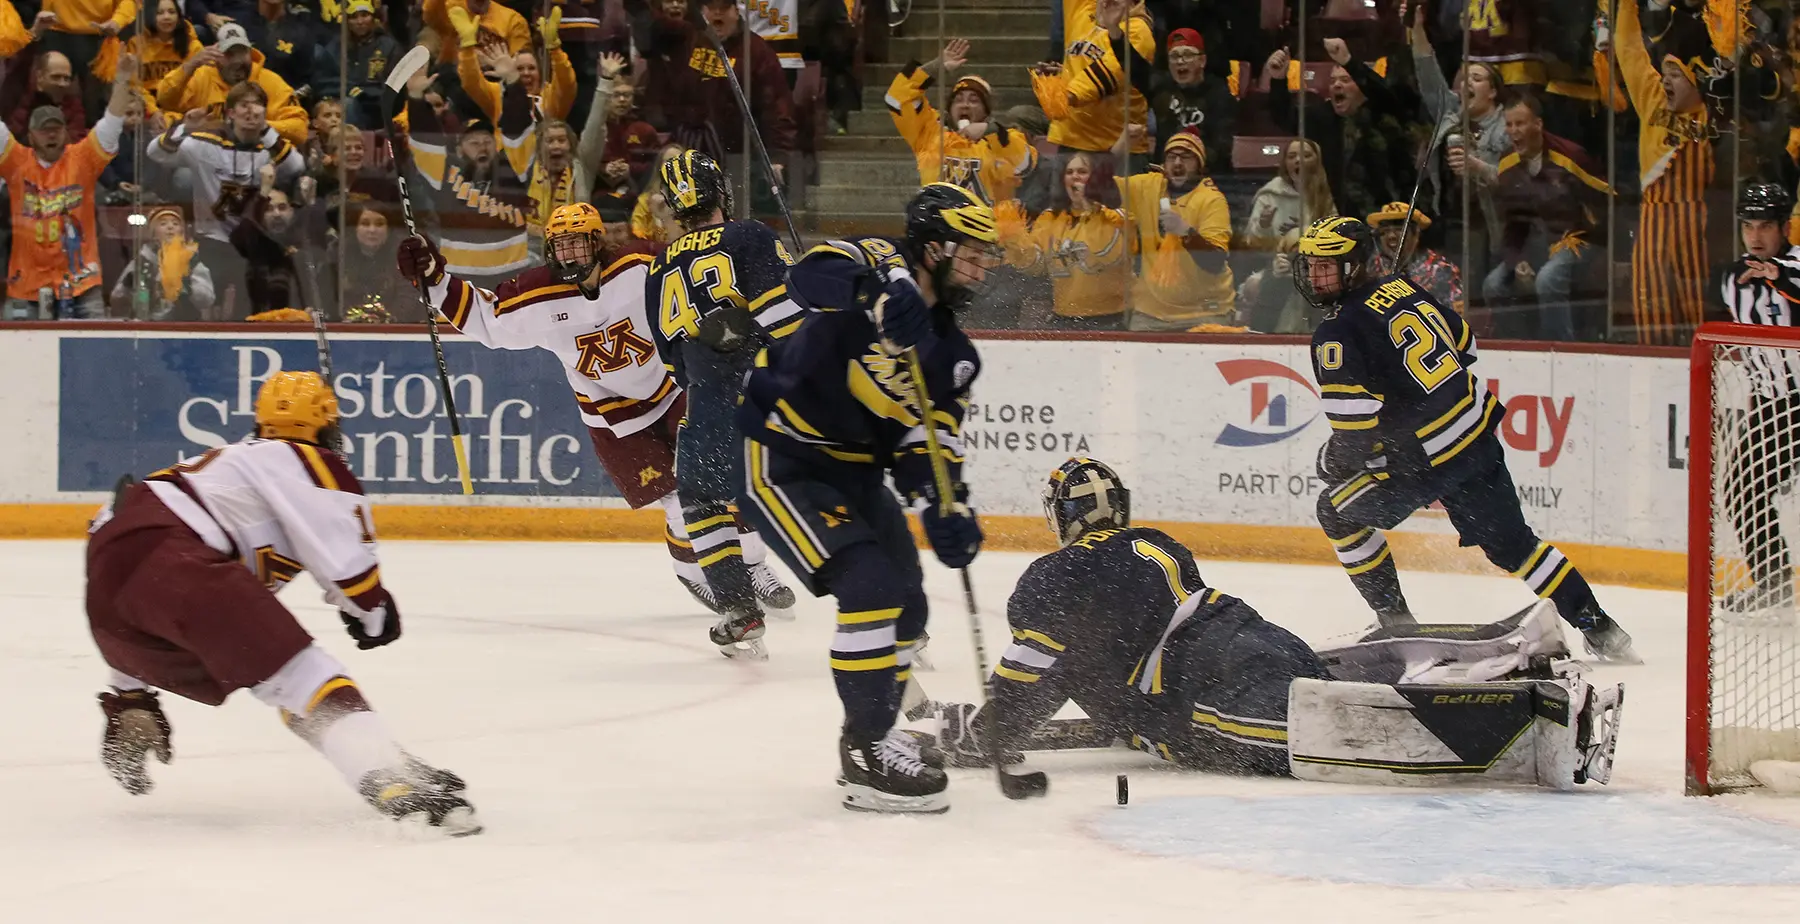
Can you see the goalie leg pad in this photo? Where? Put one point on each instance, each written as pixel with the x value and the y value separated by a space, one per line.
pixel 1432 734
pixel 1451 652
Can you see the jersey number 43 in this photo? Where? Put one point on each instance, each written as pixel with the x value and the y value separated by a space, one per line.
pixel 714 277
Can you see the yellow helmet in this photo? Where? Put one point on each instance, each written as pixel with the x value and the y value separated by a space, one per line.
pixel 295 406
pixel 573 242
pixel 1346 243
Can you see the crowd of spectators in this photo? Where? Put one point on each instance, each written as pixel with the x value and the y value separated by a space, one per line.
pixel 1156 178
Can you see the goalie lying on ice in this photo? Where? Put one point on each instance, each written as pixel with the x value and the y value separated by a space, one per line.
pixel 1119 622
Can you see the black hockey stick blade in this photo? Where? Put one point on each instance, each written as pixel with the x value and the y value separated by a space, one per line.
pixel 1028 785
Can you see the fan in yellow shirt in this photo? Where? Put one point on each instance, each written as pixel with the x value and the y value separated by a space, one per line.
pixel 1184 232
pixel 1087 98
pixel 1085 248
pixel 986 159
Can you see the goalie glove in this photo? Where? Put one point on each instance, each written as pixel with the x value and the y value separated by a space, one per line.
pixel 135 728
pixel 374 627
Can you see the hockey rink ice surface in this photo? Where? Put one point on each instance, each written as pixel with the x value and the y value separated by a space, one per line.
pixel 626 772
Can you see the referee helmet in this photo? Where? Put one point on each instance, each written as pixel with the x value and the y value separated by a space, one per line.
pixel 1764 202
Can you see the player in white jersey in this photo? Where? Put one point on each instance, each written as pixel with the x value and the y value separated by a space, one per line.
pixel 181 575
pixel 587 307
pixel 1763 287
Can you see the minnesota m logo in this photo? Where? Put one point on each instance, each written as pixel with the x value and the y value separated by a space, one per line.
pixel 612 349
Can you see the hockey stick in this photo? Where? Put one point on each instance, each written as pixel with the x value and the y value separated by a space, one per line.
pixel 1013 786
pixel 762 153
pixel 408 66
pixel 309 279
pixel 1412 204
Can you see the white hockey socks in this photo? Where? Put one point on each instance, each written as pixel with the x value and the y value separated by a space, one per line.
pixel 320 703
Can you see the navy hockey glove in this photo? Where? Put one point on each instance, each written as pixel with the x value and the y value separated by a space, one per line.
pixel 377 627
pixel 135 728
pixel 419 261
pixel 956 537
pixel 902 318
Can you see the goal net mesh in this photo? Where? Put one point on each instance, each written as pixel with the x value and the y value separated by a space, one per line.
pixel 1753 643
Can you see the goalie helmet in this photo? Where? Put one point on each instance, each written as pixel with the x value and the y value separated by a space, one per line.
pixel 1764 202
pixel 296 406
pixel 694 187
pixel 958 224
pixel 1347 244
pixel 1084 495
pixel 574 241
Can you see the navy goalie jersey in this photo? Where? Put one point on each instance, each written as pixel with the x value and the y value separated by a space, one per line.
pixel 1393 371
pixel 829 390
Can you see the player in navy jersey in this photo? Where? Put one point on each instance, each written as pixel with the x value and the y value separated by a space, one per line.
pixel 828 414
pixel 1410 424
pixel 717 295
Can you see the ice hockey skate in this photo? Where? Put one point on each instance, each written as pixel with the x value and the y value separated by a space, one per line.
pixel 776 598
pixel 740 636
pixel 890 775
pixel 1609 641
pixel 422 795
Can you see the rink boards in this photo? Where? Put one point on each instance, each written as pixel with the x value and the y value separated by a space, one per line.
pixel 1215 435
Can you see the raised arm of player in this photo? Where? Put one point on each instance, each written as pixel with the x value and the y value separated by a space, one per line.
pixel 468 307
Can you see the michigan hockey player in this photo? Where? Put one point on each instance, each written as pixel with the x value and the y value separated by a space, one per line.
pixel 1763 287
pixel 720 295
pixel 1121 623
pixel 1411 424
pixel 587 308
pixel 181 575
pixel 827 414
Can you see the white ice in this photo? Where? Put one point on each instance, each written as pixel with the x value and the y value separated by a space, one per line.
pixel 628 773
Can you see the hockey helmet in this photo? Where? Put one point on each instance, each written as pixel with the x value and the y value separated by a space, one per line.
pixel 694 187
pixel 295 406
pixel 574 242
pixel 1764 202
pixel 1084 495
pixel 1346 244
pixel 954 226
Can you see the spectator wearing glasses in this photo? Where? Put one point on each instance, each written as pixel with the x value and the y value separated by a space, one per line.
pixel 1187 97
pixel 1183 229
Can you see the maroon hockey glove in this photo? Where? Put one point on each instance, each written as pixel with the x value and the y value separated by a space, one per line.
pixel 419 259
pixel 135 727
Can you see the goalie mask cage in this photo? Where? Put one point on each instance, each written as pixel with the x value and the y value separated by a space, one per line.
pixel 1743 648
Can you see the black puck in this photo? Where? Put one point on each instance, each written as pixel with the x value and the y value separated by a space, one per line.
pixel 1124 790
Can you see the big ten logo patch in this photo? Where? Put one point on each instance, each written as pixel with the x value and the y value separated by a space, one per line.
pixel 1277 402
pixel 1537 424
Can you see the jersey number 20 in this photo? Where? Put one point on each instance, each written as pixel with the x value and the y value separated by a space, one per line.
pixel 713 274
pixel 1422 332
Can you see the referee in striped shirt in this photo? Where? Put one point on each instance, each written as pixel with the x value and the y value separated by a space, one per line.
pixel 1763 287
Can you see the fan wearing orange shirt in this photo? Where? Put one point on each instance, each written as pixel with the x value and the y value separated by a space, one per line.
pixel 55 242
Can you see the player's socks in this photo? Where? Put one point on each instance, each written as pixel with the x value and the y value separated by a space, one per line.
pixel 887 773
pixel 712 529
pixel 1370 563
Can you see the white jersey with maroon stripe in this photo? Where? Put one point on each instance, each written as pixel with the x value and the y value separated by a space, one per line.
pixel 281 508
pixel 604 342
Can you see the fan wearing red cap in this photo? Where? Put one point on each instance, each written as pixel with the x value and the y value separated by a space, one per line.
pixel 1184 232
pixel 973 152
pixel 1185 97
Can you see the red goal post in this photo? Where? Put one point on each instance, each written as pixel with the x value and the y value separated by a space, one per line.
pixel 1743 673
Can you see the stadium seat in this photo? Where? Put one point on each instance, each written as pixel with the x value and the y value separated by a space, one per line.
pixel 1258 152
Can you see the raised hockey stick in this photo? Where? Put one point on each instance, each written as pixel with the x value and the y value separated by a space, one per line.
pixel 309 279
pixel 1412 204
pixel 414 61
pixel 762 153
pixel 1012 785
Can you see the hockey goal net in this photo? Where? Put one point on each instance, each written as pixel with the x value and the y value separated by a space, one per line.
pixel 1743 650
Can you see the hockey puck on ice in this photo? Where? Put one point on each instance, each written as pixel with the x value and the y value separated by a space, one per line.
pixel 1124 790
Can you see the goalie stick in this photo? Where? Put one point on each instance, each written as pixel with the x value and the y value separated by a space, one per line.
pixel 414 61
pixel 1012 785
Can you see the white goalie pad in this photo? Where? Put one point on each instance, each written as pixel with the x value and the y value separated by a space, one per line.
pixel 1452 653
pixel 1553 733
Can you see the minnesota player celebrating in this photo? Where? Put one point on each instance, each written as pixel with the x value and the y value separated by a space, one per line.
pixel 1409 425
pixel 720 295
pixel 1762 287
pixel 587 308
pixel 1120 622
pixel 181 573
pixel 827 414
